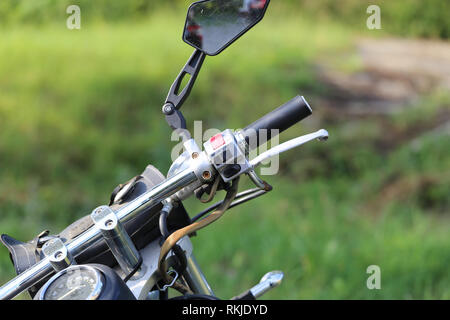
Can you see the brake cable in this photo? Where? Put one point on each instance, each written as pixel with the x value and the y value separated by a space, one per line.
pixel 172 240
pixel 262 188
pixel 213 191
pixel 179 253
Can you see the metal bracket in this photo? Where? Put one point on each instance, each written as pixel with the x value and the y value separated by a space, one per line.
pixel 167 286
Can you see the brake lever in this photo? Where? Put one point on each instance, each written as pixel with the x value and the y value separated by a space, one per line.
pixel 321 135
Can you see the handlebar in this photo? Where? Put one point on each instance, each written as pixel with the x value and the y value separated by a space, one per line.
pixel 184 181
pixel 76 246
pixel 277 121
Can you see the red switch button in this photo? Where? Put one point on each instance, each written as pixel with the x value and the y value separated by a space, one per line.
pixel 217 141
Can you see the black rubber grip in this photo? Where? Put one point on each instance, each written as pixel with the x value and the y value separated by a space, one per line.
pixel 277 121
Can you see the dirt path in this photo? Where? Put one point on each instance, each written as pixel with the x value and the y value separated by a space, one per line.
pixel 393 73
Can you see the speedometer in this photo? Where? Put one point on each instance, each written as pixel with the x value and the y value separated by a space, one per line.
pixel 74 283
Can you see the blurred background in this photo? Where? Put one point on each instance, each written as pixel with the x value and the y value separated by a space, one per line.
pixel 80 112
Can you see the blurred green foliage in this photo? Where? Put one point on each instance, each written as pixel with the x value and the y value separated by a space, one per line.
pixel 402 17
pixel 80 112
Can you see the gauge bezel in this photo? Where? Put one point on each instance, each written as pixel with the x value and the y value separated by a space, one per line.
pixel 100 281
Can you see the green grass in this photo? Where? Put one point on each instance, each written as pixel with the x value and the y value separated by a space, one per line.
pixel 80 113
pixel 324 234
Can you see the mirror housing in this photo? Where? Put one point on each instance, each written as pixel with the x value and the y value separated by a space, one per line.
pixel 213 25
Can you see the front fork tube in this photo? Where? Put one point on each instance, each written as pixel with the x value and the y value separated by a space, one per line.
pixel 195 277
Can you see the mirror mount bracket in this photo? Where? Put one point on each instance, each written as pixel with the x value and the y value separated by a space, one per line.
pixel 176 98
pixel 174 117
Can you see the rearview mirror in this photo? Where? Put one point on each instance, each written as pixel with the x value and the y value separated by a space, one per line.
pixel 212 25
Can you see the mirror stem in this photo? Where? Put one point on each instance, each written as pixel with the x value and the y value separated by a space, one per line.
pixel 177 96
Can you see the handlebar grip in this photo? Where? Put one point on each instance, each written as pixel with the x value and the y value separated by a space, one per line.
pixel 277 121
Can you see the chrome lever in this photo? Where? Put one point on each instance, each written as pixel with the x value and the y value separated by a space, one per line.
pixel 321 135
pixel 269 281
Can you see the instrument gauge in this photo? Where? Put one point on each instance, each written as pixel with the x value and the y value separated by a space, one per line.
pixel 74 283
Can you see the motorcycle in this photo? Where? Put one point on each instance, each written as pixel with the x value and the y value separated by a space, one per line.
pixel 138 246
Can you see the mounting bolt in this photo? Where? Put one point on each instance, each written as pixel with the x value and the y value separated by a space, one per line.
pixel 206 175
pixel 167 109
pixel 109 223
pixel 195 155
